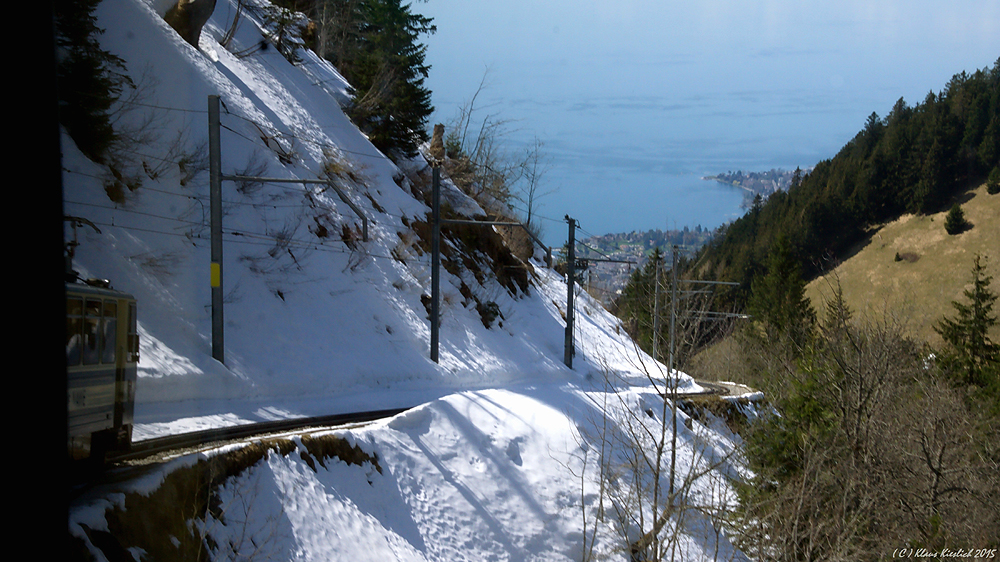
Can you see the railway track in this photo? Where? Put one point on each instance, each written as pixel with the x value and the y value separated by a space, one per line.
pixel 160 445
pixel 720 389
pixel 150 448
pixel 83 477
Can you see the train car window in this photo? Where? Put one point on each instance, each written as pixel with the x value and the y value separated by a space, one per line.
pixel 109 332
pixel 91 332
pixel 74 331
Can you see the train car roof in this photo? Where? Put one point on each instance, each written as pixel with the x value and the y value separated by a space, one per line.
pixel 81 288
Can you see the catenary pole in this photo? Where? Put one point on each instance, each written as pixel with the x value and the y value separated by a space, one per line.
pixel 671 374
pixel 656 308
pixel 435 261
pixel 570 279
pixel 215 195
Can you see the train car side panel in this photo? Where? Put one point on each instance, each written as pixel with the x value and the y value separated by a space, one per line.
pixel 101 366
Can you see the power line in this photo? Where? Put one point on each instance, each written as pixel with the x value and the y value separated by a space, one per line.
pixel 251 234
pixel 321 247
pixel 179 109
pixel 134 212
pixel 203 198
pixel 305 140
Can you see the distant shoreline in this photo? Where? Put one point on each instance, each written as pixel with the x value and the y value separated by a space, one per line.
pixel 763 184
pixel 729 183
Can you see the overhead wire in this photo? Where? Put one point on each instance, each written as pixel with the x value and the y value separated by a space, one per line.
pixel 202 198
pixel 237 238
pixel 287 135
pixel 134 212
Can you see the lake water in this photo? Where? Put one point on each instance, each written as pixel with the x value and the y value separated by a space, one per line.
pixel 636 100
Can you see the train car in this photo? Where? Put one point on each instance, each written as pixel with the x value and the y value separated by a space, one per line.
pixel 102 354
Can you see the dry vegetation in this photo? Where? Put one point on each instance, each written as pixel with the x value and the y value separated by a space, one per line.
pixel 876 448
pixel 932 270
pixel 883 441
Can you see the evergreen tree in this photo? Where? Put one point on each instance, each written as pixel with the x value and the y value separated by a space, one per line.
pixel 90 78
pixel 970 351
pixel 391 103
pixel 955 222
pixel 635 305
pixel 778 299
pixel 993 183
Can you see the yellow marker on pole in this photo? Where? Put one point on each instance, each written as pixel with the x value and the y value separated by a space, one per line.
pixel 216 275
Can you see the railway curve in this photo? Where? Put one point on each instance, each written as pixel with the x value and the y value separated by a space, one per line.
pixel 159 445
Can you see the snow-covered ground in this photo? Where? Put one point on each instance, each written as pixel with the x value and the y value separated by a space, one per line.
pixel 502 457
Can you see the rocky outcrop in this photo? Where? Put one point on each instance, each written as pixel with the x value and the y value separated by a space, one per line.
pixel 187 17
pixel 437 145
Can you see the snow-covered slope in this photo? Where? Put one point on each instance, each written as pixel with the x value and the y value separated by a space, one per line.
pixel 307 315
pixel 319 321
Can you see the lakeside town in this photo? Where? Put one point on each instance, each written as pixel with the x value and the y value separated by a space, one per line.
pixel 612 258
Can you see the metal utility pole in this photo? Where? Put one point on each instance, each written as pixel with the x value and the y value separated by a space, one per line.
pixel 215 194
pixel 436 222
pixel 673 305
pixel 216 177
pixel 656 309
pixel 570 280
pixel 435 260
pixel 670 364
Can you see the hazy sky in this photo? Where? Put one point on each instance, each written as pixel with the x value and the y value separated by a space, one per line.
pixel 661 91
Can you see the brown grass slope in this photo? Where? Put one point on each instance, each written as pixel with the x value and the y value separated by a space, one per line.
pixel 933 270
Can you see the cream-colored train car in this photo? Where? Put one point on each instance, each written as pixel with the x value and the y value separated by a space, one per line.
pixel 102 353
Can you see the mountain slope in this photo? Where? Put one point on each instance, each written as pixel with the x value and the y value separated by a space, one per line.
pixel 311 308
pixel 504 456
pixel 933 268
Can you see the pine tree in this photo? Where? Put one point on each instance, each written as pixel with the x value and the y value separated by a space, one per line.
pixel 391 103
pixel 778 299
pixel 969 348
pixel 90 78
pixel 635 305
pixel 954 222
pixel 993 183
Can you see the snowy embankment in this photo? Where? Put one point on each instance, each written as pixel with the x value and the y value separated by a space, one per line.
pixel 508 456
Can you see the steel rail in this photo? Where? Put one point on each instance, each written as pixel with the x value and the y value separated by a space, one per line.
pixel 150 447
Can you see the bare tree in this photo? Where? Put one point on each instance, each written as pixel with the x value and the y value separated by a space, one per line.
pixel 872 447
pixel 645 503
pixel 479 159
pixel 533 169
pixel 338 31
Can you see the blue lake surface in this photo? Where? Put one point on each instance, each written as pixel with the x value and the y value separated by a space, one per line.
pixel 634 101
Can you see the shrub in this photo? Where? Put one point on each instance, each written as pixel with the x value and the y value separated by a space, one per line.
pixel 993 183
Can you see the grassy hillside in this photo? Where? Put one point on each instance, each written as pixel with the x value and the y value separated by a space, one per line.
pixel 933 272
